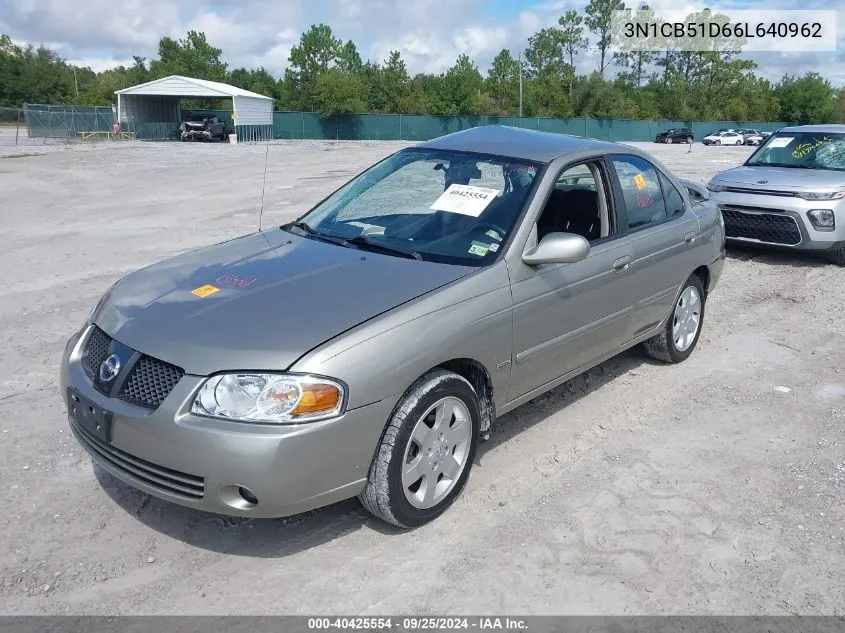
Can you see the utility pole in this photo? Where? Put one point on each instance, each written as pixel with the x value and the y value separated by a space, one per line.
pixel 75 82
pixel 520 84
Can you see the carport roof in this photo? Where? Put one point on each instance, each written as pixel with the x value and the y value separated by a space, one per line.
pixel 179 86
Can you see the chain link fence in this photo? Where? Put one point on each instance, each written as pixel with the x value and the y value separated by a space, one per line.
pixel 63 121
pixel 12 126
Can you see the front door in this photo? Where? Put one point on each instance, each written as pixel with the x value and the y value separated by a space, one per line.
pixel 567 315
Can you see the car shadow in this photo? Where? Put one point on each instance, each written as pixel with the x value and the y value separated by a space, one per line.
pixel 776 257
pixel 275 538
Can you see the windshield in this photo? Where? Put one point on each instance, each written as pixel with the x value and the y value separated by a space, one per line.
pixel 435 205
pixel 804 150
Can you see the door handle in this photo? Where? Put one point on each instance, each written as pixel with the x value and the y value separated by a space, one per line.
pixel 622 264
pixel 689 238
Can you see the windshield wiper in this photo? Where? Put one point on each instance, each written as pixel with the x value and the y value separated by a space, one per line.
pixel 307 229
pixel 360 241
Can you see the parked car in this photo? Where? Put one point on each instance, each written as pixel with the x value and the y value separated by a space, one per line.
pixel 752 137
pixel 203 127
pixel 724 138
pixel 790 192
pixel 365 348
pixel 675 135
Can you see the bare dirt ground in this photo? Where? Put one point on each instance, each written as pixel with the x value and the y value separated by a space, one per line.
pixel 634 489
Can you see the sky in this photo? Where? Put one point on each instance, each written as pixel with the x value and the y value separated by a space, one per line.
pixel 430 34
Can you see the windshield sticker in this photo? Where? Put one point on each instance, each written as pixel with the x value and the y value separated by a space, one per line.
pixel 494 234
pixel 465 199
pixel 639 181
pixel 494 248
pixel 782 141
pixel 805 148
pixel 368 229
pixel 479 249
pixel 205 291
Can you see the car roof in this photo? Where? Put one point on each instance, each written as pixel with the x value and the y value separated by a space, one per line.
pixel 514 142
pixel 829 128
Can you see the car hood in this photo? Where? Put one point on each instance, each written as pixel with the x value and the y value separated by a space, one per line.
pixel 782 177
pixel 260 301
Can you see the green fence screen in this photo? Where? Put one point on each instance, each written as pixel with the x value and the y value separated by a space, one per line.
pixel 63 121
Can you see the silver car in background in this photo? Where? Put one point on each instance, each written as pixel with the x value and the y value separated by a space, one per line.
pixel 790 192
pixel 365 348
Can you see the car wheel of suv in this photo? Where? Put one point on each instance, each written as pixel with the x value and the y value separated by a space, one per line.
pixel 739 142
pixel 837 257
pixel 668 139
pixel 683 327
pixel 426 451
pixel 717 142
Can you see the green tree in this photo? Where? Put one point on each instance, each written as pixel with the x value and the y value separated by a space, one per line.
pixel 338 92
pixel 349 60
pixel 572 38
pixel 460 88
pixel 544 55
pixel 317 51
pixel 191 57
pixel 598 21
pixel 809 99
pixel 502 83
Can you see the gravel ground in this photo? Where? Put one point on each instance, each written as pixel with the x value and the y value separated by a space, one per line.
pixel 637 488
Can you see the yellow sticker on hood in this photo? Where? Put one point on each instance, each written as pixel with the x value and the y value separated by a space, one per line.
pixel 205 291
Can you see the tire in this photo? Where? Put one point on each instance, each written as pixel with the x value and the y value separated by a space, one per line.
pixel 671 139
pixel 837 257
pixel 408 439
pixel 739 142
pixel 675 345
pixel 717 142
pixel 668 139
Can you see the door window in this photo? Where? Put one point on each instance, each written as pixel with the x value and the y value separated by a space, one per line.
pixel 641 191
pixel 672 198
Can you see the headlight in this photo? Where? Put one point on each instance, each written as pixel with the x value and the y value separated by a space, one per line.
pixel 714 187
pixel 814 195
pixel 273 398
pixel 822 219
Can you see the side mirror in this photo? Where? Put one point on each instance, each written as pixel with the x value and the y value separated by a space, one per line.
pixel 697 192
pixel 558 248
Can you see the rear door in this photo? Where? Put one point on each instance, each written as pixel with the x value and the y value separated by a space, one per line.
pixel 660 231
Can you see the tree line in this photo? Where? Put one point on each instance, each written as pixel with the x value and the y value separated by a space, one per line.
pixel 327 75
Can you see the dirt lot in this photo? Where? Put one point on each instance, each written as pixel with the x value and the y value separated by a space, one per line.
pixel 635 489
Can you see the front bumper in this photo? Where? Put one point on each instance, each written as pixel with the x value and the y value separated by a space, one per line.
pixel 779 221
pixel 201 462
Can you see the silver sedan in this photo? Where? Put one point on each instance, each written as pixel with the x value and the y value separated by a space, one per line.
pixel 366 348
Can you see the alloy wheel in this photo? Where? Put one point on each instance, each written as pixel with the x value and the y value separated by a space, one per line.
pixel 436 453
pixel 686 319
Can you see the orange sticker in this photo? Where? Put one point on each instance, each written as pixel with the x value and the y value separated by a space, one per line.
pixel 205 291
pixel 639 181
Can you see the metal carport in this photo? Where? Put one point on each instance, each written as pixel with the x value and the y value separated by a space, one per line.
pixel 153 109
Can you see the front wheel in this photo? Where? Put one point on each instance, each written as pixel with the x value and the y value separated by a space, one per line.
pixel 739 142
pixel 680 335
pixel 426 451
pixel 837 257
pixel 717 142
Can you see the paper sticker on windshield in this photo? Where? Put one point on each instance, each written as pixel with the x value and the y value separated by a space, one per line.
pixel 781 141
pixel 205 291
pixel 639 181
pixel 479 249
pixel 465 199
pixel 494 248
pixel 495 235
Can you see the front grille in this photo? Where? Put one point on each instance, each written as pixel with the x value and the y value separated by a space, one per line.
pixel 771 228
pixel 149 382
pixel 159 477
pixel 96 351
pixel 761 192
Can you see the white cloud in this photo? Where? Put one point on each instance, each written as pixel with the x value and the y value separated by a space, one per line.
pixel 99 64
pixel 430 34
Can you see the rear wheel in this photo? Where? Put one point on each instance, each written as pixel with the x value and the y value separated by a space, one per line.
pixel 680 334
pixel 426 451
pixel 717 142
pixel 837 257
